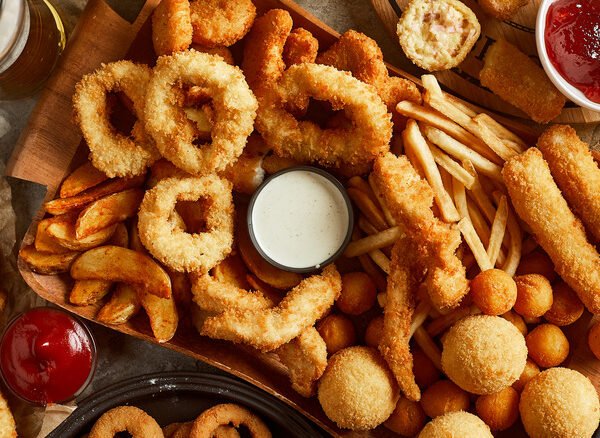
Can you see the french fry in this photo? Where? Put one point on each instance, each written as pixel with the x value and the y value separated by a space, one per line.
pixel 479 194
pixel 366 226
pixel 358 183
pixel 381 202
pixel 498 230
pixel 514 250
pixel 432 86
pixel 429 347
pixel 474 242
pixel 368 208
pixel 451 166
pixel 121 307
pixel 375 241
pixel 419 316
pixel 84 177
pixel 460 198
pixel 380 260
pixel 414 141
pixel 501 131
pixel 440 325
pixel 462 152
pixel 86 292
pixel 369 267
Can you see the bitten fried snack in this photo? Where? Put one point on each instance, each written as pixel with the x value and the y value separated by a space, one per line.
pixel 539 203
pixel 575 173
pixel 513 76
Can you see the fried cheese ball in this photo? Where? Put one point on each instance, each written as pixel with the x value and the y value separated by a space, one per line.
pixel 494 292
pixel 529 372
pixel 548 346
pixel 407 419
pixel 443 397
pixel 537 262
pixel 483 354
pixel 426 374
pixel 594 339
pixel 534 295
pixel 500 410
pixel 374 332
pixel 456 424
pixel 566 305
pixel 358 293
pixel 560 402
pixel 516 320
pixel 358 391
pixel 337 331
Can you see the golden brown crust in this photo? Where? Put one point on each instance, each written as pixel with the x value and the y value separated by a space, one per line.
pixel 502 9
pixel 126 418
pixel 300 46
pixel 171 27
pixel 221 23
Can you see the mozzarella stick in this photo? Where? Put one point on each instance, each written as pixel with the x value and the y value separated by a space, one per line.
pixel 539 202
pixel 575 172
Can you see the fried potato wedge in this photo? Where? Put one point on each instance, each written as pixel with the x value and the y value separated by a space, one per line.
pixel 44 241
pixel 124 265
pixel 162 313
pixel 64 233
pixel 123 305
pixel 47 263
pixel 120 237
pixel 86 292
pixel 78 202
pixel 84 177
pixel 108 211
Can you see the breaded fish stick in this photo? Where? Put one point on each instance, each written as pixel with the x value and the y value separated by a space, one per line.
pixel 409 199
pixel 538 201
pixel 575 172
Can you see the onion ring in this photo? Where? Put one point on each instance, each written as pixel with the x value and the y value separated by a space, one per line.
pixel 171 245
pixel 234 111
pixel 223 52
pixel 113 153
pixel 221 23
pixel 207 423
pixel 365 140
pixel 171 27
pixel 269 329
pixel 126 418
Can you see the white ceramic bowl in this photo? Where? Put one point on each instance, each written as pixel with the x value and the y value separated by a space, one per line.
pixel 561 83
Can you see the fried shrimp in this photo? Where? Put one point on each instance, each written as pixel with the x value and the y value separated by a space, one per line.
pixel 221 23
pixel 269 329
pixel 126 419
pixel 170 244
pixel 539 202
pixel 166 121
pixel 397 316
pixel 409 199
pixel 301 46
pixel 575 173
pixel 171 27
pixel 210 420
pixel 360 55
pixel 364 140
pixel 111 152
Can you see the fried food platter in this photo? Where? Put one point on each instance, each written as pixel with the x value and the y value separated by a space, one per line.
pixel 50 149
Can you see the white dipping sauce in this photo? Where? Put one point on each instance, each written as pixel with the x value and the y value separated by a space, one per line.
pixel 300 219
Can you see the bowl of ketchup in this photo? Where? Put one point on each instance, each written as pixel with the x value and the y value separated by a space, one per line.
pixel 47 356
pixel 568 44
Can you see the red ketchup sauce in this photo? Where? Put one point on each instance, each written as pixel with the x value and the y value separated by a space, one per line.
pixel 573 43
pixel 46 356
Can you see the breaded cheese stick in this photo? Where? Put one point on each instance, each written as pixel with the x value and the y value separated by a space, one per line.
pixel 575 172
pixel 538 201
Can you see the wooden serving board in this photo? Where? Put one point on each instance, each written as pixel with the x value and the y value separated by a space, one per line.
pixel 50 147
pixel 463 81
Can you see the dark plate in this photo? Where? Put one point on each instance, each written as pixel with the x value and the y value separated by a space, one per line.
pixel 176 397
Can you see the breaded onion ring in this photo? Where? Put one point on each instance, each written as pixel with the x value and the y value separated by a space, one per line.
pixel 209 421
pixel 171 245
pixel 111 152
pixel 126 418
pixel 271 328
pixel 234 111
pixel 171 27
pixel 221 23
pixel 366 139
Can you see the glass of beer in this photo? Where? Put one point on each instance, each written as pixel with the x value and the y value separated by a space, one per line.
pixel 32 36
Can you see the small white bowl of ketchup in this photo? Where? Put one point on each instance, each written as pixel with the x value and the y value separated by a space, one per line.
pixel 568 44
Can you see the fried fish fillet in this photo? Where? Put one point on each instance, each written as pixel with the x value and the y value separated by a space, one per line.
pixel 538 201
pixel 575 173
pixel 410 199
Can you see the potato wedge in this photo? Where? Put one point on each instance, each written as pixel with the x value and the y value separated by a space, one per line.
pixel 44 241
pixel 78 202
pixel 84 177
pixel 64 233
pixel 108 211
pixel 120 237
pixel 162 313
pixel 121 307
pixel 47 263
pixel 86 292
pixel 181 287
pixel 123 265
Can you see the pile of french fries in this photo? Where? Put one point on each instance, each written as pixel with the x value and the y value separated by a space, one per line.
pixel 460 153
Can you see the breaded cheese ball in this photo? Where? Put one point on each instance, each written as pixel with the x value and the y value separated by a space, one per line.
pixel 357 390
pixel 560 403
pixel 456 424
pixel 483 354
